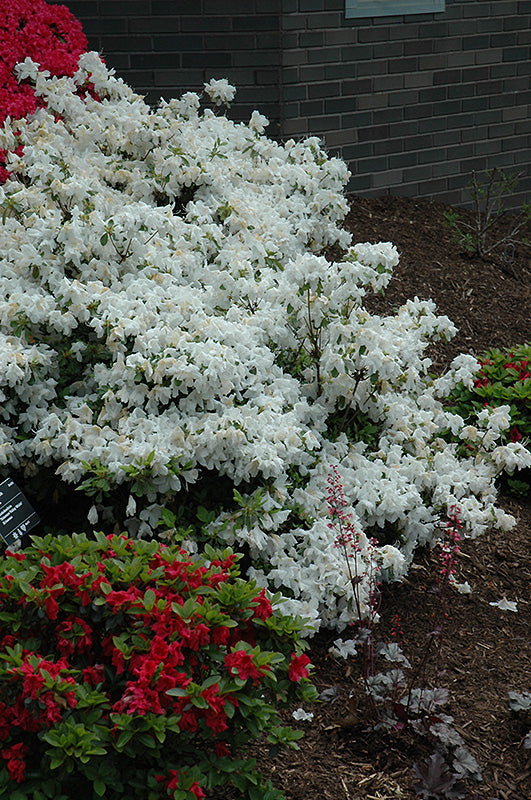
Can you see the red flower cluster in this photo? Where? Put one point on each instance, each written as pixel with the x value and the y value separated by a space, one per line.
pixel 174 781
pixel 49 35
pixel 521 368
pixel 15 761
pixel 242 663
pixel 144 645
pixel 298 668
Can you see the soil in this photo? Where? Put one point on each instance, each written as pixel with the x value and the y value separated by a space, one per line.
pixel 486 651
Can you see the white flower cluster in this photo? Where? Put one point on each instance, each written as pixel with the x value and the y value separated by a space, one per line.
pixel 165 310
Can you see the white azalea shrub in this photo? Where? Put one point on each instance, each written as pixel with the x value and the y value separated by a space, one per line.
pixel 168 320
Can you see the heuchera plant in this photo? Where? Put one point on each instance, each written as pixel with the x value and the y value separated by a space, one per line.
pixel 134 670
pixel 398 697
pixel 48 34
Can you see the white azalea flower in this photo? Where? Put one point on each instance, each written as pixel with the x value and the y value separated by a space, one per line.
pixel 302 716
pixel 505 605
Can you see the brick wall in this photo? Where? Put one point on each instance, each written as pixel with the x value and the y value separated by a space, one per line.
pixel 413 103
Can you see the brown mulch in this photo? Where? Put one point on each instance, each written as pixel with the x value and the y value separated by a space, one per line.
pixel 486 651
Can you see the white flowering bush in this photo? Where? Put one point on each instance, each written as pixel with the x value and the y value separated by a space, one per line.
pixel 173 341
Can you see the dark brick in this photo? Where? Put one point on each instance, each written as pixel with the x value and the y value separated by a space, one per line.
pixel 313 108
pixel 357 86
pixel 93 25
pixel 309 74
pixel 357 52
pixel 378 132
pixel 122 8
pixel 340 105
pixel 433 30
pixel 352 152
pixel 447 76
pixel 402 64
pixel 387 50
pixel 321 55
pixel 476 9
pixel 373 34
pixel 295 92
pixel 417 173
pixel 381 116
pixel 408 159
pixel 311 5
pixel 502 40
pixel 359 183
pixel 311 39
pixel 267 76
pixel 431 156
pixel 255 58
pixel 127 43
pixel 404 128
pixel 231 7
pixel 162 60
pixel 419 142
pixel 373 164
pixel 334 72
pixel 372 68
pixel 339 36
pixel 515 53
pixel 403 98
pixel 360 118
pixel 202 23
pixel 205 59
pixel 324 90
pixel 257 22
pixel 503 70
pixel 418 47
pixel 321 124
pixel 515 23
pixel 502 100
pixel 433 124
pixel 176 42
pixel 327 20
pixel 433 94
pixel 119 61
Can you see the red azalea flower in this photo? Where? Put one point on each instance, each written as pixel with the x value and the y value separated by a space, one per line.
pixel 94 675
pixel 220 635
pixel 263 608
pixel 16 765
pixel 16 556
pixel 221 750
pixel 298 667
pixel 244 665
pixel 515 435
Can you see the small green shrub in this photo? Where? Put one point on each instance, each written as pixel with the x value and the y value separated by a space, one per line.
pixel 129 669
pixel 488 192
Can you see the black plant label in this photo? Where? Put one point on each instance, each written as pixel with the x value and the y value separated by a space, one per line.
pixel 17 517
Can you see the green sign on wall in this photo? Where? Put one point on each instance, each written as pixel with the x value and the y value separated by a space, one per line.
pixel 384 8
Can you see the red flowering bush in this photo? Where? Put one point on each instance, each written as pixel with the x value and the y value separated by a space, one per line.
pixel 138 670
pixel 50 36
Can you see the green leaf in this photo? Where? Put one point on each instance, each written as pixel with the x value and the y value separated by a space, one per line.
pixel 99 787
pixel 149 599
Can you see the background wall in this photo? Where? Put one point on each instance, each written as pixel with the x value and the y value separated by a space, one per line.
pixel 413 103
